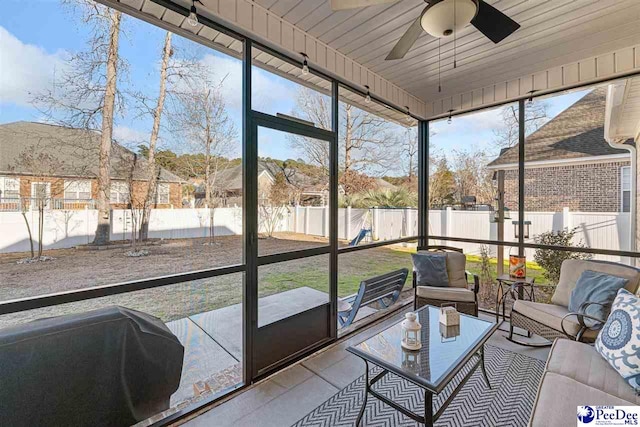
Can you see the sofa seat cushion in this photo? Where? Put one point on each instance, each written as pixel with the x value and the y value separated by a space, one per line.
pixel 584 364
pixel 551 315
pixel 572 269
pixel 446 294
pixel 559 396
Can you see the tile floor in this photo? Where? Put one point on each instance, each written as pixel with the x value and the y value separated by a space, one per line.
pixel 287 396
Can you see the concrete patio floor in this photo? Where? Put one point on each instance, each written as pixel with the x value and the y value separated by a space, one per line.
pixel 213 340
pixel 311 381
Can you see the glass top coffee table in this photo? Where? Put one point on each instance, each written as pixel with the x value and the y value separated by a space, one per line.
pixel 444 352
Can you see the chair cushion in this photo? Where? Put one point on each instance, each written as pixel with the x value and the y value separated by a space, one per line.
pixel 431 269
pixel 559 396
pixel 583 363
pixel 456 264
pixel 551 315
pixel 619 340
pixel 572 269
pixel 446 294
pixel 593 286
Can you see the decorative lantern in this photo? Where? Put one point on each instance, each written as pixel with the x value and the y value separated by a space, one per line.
pixel 449 333
pixel 411 361
pixel 411 332
pixel 517 265
pixel 516 230
pixel 449 316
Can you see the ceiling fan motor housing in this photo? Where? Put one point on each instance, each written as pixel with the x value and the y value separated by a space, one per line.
pixel 438 17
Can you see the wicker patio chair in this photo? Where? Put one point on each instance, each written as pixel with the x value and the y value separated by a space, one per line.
pixel 551 321
pixel 458 292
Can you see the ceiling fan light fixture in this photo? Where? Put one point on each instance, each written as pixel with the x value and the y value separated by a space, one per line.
pixel 438 18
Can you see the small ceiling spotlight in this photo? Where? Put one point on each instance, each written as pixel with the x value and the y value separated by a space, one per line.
pixel 367 98
pixel 530 100
pixel 449 120
pixel 409 118
pixel 192 19
pixel 305 64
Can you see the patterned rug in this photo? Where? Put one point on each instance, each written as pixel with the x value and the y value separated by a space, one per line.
pixel 514 379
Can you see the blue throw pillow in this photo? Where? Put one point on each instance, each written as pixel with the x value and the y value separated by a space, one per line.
pixel 595 287
pixel 619 340
pixel 431 269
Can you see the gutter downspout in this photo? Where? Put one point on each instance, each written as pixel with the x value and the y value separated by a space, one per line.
pixel 615 94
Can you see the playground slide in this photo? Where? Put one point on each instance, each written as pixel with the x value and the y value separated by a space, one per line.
pixel 361 235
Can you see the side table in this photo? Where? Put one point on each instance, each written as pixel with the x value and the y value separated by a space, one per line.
pixel 517 287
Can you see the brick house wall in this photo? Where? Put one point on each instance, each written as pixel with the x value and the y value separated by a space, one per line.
pixel 592 187
pixel 57 187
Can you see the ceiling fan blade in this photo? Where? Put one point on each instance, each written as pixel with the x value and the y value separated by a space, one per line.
pixel 354 4
pixel 406 41
pixel 493 23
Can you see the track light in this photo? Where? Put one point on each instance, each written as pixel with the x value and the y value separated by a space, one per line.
pixel 367 98
pixel 408 114
pixel 305 64
pixel 449 120
pixel 192 19
pixel 530 100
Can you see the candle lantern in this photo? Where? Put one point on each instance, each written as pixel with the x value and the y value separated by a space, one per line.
pixel 411 361
pixel 411 339
pixel 516 229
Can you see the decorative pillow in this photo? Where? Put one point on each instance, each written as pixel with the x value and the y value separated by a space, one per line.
pixel 595 287
pixel 619 340
pixel 431 269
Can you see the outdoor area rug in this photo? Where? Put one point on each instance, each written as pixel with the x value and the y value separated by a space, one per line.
pixel 514 380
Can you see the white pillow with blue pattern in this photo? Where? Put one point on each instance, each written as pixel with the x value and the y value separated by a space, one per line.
pixel 619 340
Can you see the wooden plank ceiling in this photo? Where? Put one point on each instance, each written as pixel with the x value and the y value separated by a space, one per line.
pixel 553 33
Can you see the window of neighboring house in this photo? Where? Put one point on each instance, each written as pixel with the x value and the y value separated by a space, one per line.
pixel 625 188
pixel 162 194
pixel 9 188
pixel 119 192
pixel 78 190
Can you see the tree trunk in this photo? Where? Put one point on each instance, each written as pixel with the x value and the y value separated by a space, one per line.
pixel 26 222
pixel 347 139
pixel 103 229
pixel 152 178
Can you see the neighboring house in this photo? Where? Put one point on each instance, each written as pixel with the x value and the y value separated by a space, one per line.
pixel 568 163
pixel 60 165
pixel 306 190
pixel 227 186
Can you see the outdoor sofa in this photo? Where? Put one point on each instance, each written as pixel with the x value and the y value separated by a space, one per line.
pixel 555 320
pixel 576 374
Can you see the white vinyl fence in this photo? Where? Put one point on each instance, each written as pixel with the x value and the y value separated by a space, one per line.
pixel 600 230
pixel 68 228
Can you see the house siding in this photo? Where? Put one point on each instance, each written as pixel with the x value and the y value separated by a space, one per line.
pixel 592 187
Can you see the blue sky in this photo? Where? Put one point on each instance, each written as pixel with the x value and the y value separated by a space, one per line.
pixel 36 36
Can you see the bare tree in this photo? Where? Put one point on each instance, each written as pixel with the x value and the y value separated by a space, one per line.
pixel 471 176
pixel 153 170
pixel 366 140
pixel 272 211
pixel 535 116
pixel 86 93
pixel 200 116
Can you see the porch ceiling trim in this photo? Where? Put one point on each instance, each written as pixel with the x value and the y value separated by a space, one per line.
pixel 615 64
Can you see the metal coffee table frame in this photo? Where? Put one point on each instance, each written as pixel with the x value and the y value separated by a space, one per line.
pixel 429 390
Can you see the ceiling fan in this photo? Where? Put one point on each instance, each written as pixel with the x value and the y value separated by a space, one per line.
pixel 442 18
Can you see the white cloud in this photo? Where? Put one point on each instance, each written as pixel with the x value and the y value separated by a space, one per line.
pixel 25 69
pixel 130 137
pixel 268 89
